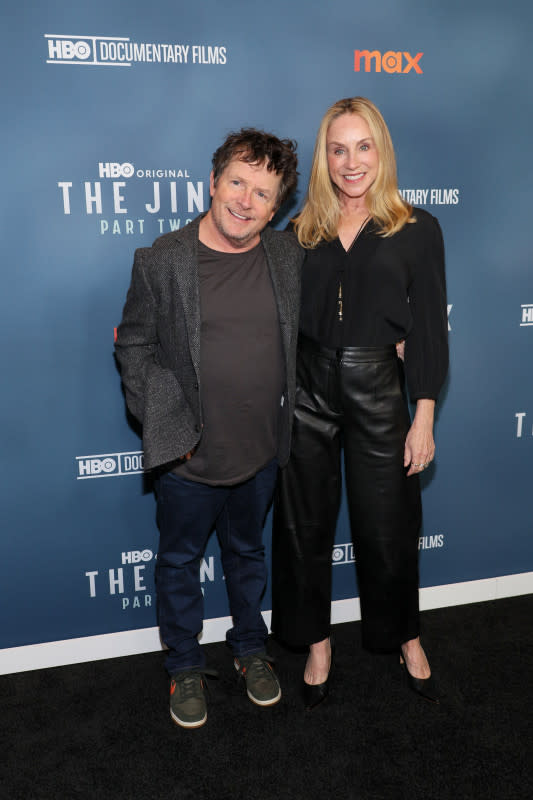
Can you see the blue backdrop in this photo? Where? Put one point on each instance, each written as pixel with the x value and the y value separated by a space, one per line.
pixel 112 113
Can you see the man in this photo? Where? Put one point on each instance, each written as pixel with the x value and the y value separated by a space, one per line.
pixel 207 354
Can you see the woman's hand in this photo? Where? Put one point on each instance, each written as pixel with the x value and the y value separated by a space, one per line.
pixel 419 444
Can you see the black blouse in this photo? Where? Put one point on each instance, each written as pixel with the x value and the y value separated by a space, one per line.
pixel 392 288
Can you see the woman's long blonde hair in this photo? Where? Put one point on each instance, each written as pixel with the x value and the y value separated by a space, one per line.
pixel 319 218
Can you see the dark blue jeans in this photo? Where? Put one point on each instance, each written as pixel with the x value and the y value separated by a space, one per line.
pixel 187 512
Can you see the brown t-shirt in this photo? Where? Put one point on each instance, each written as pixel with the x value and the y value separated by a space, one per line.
pixel 241 368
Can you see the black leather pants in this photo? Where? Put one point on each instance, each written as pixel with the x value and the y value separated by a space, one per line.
pixel 350 400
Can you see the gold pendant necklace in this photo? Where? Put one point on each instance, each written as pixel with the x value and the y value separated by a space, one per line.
pixel 339 295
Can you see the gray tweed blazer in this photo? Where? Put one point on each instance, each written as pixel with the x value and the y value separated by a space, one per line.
pixel 158 340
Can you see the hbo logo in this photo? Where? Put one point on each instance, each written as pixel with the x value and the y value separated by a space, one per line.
pixel 66 49
pixel 134 556
pixel 95 466
pixel 110 169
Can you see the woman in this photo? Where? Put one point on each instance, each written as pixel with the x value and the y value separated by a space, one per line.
pixel 373 276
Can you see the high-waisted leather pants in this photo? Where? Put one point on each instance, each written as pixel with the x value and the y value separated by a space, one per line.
pixel 350 399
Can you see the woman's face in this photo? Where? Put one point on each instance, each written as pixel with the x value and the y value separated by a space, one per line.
pixel 353 159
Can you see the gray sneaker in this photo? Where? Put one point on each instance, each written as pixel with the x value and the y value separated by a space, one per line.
pixel 262 685
pixel 187 698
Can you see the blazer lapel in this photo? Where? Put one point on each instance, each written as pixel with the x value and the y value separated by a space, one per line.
pixel 185 269
pixel 282 284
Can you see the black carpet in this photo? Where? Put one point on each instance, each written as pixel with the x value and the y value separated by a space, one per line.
pixel 102 730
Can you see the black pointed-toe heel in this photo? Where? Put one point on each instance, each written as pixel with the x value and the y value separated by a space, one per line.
pixel 425 687
pixel 313 694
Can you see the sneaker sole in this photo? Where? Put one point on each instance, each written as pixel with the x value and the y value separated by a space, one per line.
pixel 183 724
pixel 271 702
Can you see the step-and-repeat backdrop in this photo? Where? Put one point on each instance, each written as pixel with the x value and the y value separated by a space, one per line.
pixel 112 111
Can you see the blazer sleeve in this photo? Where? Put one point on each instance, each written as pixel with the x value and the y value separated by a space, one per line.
pixel 137 341
pixel 426 346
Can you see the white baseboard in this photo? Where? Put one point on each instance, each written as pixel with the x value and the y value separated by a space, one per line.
pixel 146 640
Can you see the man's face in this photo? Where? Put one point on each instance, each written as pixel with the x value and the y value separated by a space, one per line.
pixel 243 202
